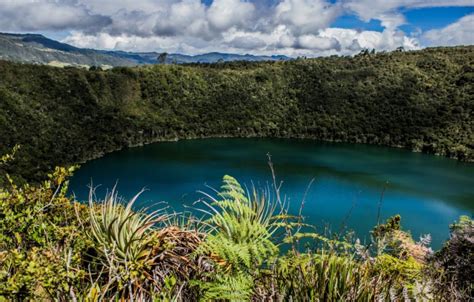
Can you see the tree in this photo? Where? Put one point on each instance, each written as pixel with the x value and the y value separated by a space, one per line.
pixel 162 58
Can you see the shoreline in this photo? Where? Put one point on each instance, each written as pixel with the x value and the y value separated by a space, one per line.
pixel 300 137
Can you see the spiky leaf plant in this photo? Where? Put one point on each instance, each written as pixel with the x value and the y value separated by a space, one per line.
pixel 321 276
pixel 141 256
pixel 121 232
pixel 239 240
pixel 125 244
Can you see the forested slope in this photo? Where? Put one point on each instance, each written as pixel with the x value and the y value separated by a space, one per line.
pixel 419 100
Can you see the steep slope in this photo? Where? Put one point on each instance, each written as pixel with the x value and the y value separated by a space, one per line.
pixel 419 100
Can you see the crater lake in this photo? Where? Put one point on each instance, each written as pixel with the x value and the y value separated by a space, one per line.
pixel 352 184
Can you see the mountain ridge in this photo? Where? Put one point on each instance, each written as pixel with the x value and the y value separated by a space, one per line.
pixel 36 48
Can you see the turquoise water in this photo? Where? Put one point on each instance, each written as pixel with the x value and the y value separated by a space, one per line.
pixel 429 192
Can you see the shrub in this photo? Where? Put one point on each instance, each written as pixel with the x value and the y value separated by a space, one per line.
pixel 41 245
pixel 452 267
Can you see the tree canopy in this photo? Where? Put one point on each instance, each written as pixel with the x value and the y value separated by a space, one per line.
pixel 420 100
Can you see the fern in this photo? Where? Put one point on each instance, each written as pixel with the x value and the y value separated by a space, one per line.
pixel 240 239
pixel 236 287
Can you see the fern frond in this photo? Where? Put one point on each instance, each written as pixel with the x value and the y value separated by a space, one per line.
pixel 226 287
pixel 240 238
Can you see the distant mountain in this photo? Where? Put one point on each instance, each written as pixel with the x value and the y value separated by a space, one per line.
pixel 34 48
pixel 214 57
pixel 39 49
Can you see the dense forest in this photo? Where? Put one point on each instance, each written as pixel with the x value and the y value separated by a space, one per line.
pixel 420 100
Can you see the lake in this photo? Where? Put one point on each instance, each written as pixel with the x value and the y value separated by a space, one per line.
pixel 429 192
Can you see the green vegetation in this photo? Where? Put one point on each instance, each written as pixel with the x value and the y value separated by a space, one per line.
pixel 246 246
pixel 454 262
pixel 419 100
pixel 53 248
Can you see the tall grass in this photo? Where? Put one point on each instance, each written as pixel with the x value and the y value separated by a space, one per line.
pixel 322 277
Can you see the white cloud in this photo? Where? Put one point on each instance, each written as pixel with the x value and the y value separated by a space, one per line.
pixel 291 27
pixel 317 42
pixel 111 7
pixel 391 20
pixel 224 14
pixel 306 16
pixel 24 15
pixel 329 41
pixel 247 42
pixel 460 32
pixel 351 40
pixel 184 17
pixel 126 42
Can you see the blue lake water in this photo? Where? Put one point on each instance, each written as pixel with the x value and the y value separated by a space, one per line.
pixel 429 192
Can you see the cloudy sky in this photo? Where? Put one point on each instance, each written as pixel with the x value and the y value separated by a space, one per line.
pixel 289 27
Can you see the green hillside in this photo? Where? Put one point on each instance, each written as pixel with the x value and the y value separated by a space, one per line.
pixel 421 100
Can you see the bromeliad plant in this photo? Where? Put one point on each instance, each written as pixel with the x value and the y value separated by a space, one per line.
pixel 123 233
pixel 140 256
pixel 125 241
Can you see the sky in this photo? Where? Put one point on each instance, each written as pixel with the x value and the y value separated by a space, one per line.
pixel 288 27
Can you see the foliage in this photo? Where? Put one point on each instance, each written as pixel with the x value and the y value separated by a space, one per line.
pixel 400 278
pixel 392 224
pixel 228 287
pixel 321 276
pixel 452 266
pixel 40 241
pixel 9 156
pixel 327 275
pixel 391 240
pixel 239 241
pixel 54 248
pixel 139 255
pixel 120 230
pixel 124 241
pixel 416 100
